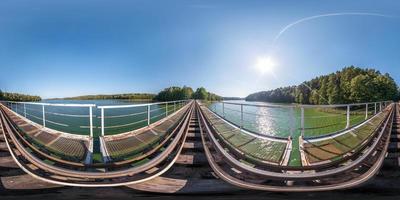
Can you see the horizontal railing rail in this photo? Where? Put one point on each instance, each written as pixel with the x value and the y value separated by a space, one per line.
pixel 327 119
pixel 56 118
pixel 300 105
pixel 147 113
pixel 139 105
pixel 43 119
pixel 52 104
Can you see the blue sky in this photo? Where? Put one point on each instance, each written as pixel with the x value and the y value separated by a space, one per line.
pixel 67 48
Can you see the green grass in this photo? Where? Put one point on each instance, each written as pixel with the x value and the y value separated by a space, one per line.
pixel 141 162
pixel 352 140
pixel 97 158
pixel 284 122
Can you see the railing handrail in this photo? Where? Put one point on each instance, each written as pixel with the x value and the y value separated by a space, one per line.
pixel 52 104
pixel 382 105
pixel 139 105
pixel 300 105
pixel 91 106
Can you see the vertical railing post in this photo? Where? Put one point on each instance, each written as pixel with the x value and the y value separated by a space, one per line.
pixel 102 121
pixel 375 109
pixel 348 117
pixel 25 110
pixel 380 106
pixel 366 111
pixel 241 116
pixel 166 108
pixel 174 106
pixel 148 115
pixel 302 122
pixel 223 109
pixel 44 117
pixel 91 121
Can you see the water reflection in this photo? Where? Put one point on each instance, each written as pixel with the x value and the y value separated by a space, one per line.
pixel 263 121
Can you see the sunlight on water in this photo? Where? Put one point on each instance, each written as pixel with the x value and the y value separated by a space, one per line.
pixel 263 121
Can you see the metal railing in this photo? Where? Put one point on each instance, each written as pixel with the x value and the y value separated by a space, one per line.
pixel 144 113
pixel 113 119
pixel 46 114
pixel 286 120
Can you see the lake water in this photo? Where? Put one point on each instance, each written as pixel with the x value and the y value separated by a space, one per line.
pixel 76 120
pixel 284 120
pixel 278 120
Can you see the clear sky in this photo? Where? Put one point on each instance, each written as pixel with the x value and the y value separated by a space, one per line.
pixel 67 48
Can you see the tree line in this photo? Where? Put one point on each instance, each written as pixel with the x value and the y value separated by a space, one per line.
pixel 8 96
pixel 127 96
pixel 350 85
pixel 177 93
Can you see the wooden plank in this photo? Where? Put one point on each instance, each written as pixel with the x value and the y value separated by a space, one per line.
pixel 8 161
pixel 3 146
pixel 160 184
pixel 25 182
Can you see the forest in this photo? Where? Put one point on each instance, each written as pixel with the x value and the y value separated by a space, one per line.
pixel 178 93
pixel 128 96
pixel 350 85
pixel 168 94
pixel 7 96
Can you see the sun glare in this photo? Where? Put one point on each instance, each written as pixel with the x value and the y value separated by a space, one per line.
pixel 265 64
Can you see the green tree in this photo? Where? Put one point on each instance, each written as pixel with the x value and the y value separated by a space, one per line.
pixel 361 89
pixel 323 91
pixel 19 97
pixel 187 92
pixel 333 90
pixel 351 84
pixel 201 93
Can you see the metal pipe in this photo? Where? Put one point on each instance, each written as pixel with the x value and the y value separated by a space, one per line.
pixel 102 121
pixel 302 121
pixel 241 116
pixel 91 121
pixel 148 115
pixel 348 117
pixel 166 109
pixel 366 111
pixel 223 109
pixel 44 117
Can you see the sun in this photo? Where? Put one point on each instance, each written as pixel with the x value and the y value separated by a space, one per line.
pixel 265 65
